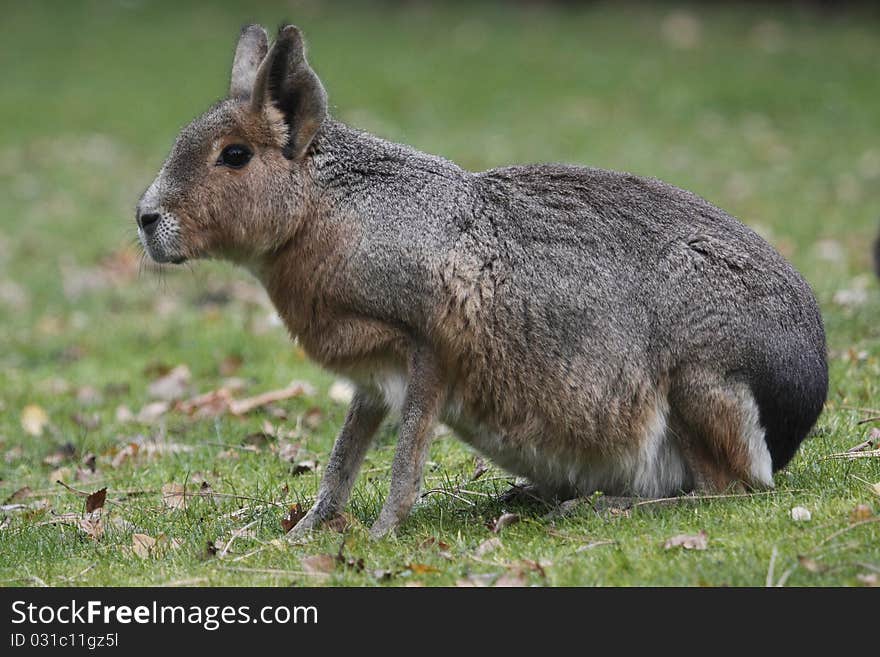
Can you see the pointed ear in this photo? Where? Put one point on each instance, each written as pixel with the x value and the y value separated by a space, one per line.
pixel 286 81
pixel 253 42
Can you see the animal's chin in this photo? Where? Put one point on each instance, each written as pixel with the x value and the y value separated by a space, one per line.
pixel 163 258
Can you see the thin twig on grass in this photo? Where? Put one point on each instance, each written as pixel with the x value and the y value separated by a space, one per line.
pixel 865 454
pixel 275 571
pixel 433 491
pixel 236 534
pixel 846 529
pixel 700 498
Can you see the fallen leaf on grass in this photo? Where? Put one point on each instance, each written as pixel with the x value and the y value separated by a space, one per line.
pixel 313 417
pixel 61 474
pixel 319 564
pixel 230 365
pixel 90 462
pixel 123 414
pixel 146 546
pixel 88 421
pixel 171 386
pixel 514 578
pixel 34 420
pixel 142 545
pixel 243 406
pixel 13 454
pixel 93 527
pixel 127 452
pixel 19 494
pixel 151 412
pixel 811 565
pixel 294 514
pixel 800 514
pixel 487 546
pixel 221 401
pixel 433 541
pixel 210 404
pixel 868 579
pixel 475 580
pixel 688 541
pixel 174 496
pixel 288 451
pixel 339 523
pixel 63 453
pixel 504 520
pixel 480 468
pixel 861 512
pixel 96 500
pixel 422 568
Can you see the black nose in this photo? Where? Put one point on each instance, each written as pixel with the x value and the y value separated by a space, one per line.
pixel 148 221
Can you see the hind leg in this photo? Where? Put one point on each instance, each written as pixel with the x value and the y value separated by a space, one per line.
pixel 716 423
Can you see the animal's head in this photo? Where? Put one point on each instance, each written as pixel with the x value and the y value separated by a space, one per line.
pixel 236 181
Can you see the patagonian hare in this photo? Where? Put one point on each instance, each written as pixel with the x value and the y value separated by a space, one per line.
pixel 588 330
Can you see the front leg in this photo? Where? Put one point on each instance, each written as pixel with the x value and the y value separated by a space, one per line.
pixel 420 407
pixel 364 417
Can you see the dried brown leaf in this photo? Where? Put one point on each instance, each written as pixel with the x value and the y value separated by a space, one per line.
pixel 13 454
pixel 151 412
pixel 433 542
pixel 688 541
pixel 313 417
pixel 143 545
pixel 93 527
pixel 422 569
pixel 861 512
pixel 172 386
pixel 504 520
pixel 174 496
pixel 480 468
pixel 869 579
pixel 294 514
pixel 512 578
pixel 811 565
pixel 96 500
pixel 487 546
pixel 127 452
pixel 339 523
pixel 295 389
pixel 230 365
pixel 319 564
pixel 19 494
pixel 475 580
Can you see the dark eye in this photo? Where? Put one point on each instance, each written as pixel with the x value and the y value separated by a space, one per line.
pixel 234 156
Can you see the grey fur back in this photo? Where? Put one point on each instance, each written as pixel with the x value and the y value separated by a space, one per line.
pixel 606 272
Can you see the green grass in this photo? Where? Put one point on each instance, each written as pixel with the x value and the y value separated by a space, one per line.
pixel 773 116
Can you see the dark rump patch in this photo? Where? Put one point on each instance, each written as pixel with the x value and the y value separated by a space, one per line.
pixel 790 396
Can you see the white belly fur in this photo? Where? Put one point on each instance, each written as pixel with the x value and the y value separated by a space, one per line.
pixel 653 467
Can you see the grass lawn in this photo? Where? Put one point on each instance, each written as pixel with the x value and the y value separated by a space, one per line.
pixel 771 114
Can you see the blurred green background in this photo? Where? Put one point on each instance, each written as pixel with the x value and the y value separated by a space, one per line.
pixel 771 111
